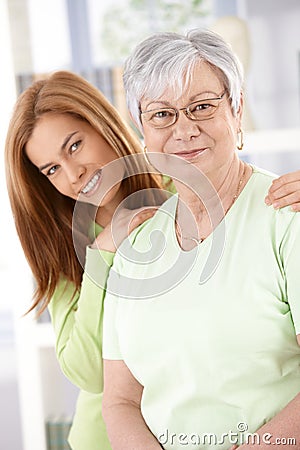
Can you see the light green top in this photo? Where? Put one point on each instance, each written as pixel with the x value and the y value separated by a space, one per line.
pixel 77 324
pixel 212 354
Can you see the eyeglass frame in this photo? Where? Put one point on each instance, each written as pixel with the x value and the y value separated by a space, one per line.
pixel 186 111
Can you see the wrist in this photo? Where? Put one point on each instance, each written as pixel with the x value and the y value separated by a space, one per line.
pixel 103 244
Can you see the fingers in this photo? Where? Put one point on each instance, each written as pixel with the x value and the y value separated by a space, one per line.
pixel 279 189
pixel 296 207
pixel 127 220
pixel 283 193
pixel 140 216
pixel 292 200
pixel 290 177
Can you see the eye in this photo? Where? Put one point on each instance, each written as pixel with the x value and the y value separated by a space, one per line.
pixel 162 114
pixel 200 106
pixel 51 171
pixel 75 146
pixel 203 109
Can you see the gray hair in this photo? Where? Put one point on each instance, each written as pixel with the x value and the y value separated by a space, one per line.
pixel 168 59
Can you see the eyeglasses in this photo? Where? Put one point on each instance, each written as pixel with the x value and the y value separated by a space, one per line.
pixel 199 110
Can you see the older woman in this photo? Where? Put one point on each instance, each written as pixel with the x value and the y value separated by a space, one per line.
pixel 200 343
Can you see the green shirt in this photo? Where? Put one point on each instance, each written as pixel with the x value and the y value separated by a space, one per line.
pixel 212 354
pixel 77 322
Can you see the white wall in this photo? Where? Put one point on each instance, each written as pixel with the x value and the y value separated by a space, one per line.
pixel 273 82
pixel 49 35
pixel 10 436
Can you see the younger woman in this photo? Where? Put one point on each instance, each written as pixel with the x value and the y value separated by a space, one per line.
pixel 61 135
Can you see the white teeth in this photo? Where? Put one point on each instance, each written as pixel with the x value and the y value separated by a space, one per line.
pixel 92 183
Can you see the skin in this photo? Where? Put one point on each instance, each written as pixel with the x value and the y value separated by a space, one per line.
pixel 199 142
pixel 209 145
pixel 285 191
pixel 69 152
pixel 71 157
pixel 71 169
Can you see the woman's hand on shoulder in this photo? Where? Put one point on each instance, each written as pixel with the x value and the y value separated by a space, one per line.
pixel 285 191
pixel 123 223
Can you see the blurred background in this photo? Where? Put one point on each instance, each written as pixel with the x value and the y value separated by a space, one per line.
pixel 93 37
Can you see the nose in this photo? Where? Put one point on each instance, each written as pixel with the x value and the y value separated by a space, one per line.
pixel 74 171
pixel 184 128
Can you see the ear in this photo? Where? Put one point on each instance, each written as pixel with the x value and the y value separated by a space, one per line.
pixel 239 113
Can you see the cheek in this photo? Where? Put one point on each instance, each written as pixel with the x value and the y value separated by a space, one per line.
pixel 227 129
pixel 154 140
pixel 61 186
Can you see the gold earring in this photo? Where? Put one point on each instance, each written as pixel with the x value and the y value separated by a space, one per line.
pixel 240 136
pixel 145 155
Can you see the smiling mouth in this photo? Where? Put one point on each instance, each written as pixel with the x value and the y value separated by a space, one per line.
pixel 190 154
pixel 90 186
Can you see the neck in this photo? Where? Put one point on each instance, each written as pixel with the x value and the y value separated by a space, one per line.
pixel 105 213
pixel 204 214
pixel 228 182
pixel 223 182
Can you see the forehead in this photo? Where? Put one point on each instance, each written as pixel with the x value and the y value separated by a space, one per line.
pixel 49 133
pixel 204 76
pixel 59 123
pixel 51 127
pixel 204 79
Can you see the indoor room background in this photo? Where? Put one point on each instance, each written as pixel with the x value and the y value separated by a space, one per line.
pixel 93 37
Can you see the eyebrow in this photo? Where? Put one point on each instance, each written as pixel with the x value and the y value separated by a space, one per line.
pixel 62 148
pixel 206 93
pixel 167 104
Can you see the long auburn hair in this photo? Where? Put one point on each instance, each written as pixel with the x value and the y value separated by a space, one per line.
pixel 42 215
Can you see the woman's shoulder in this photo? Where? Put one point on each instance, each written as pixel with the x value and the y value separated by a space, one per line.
pixel 262 180
pixel 263 176
pixel 164 215
pixel 284 220
pixel 142 238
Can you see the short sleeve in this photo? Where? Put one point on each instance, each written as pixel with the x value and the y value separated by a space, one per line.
pixel 290 251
